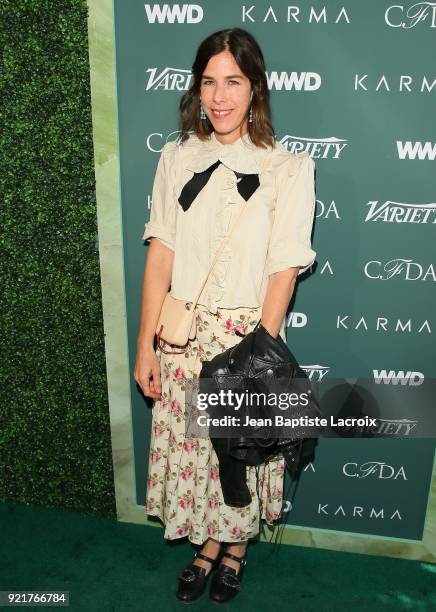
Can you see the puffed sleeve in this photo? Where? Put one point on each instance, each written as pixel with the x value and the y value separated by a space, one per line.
pixel 290 240
pixel 162 223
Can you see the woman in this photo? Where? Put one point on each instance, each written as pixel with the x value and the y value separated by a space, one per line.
pixel 227 112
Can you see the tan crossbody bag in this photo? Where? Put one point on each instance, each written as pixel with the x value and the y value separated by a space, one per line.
pixel 177 322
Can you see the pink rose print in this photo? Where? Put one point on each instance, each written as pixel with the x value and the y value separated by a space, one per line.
pixel 186 473
pixel 237 531
pixel 182 472
pixel 158 430
pixel 212 502
pixel 175 408
pixel 239 327
pixel 185 501
pixel 280 468
pixel 154 457
pixel 179 374
pixel 242 327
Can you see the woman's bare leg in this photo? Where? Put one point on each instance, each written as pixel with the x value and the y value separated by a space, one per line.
pixel 238 549
pixel 211 548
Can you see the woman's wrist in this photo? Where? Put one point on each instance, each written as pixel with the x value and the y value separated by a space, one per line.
pixel 271 331
pixel 145 343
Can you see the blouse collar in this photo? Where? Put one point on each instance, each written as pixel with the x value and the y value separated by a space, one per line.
pixel 240 156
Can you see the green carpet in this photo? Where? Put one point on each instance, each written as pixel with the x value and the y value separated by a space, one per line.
pixel 107 565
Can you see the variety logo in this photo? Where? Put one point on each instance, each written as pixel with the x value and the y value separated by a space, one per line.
pixel 383 324
pixel 412 379
pixel 405 83
pixel 416 150
pixel 379 469
pixel 394 427
pixel 315 372
pixel 407 268
pixel 172 13
pixel 402 16
pixel 317 147
pixel 250 13
pixel 168 79
pixel 399 212
pixel 401 427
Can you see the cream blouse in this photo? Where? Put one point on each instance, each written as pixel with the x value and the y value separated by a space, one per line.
pixel 273 233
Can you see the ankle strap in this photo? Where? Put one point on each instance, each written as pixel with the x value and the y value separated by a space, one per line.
pixel 240 560
pixel 204 557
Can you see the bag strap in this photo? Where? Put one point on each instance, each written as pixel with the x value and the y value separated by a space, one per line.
pixel 263 167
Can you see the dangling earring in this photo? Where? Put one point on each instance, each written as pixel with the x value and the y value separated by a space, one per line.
pixel 250 116
pixel 202 113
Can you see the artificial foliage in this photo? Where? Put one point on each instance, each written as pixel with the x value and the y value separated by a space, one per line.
pixel 55 447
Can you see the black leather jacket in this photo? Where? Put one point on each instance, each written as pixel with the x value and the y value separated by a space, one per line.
pixel 258 359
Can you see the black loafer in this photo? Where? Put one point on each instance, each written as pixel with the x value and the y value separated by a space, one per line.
pixel 193 579
pixel 226 582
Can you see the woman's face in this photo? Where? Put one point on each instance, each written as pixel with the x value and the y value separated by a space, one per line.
pixel 225 93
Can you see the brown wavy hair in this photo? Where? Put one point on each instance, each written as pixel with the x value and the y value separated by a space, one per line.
pixel 248 55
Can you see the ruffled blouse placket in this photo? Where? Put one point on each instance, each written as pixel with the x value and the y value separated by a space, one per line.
pixel 240 156
pixel 228 200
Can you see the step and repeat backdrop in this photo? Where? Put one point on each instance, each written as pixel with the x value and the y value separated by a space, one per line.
pixel 354 84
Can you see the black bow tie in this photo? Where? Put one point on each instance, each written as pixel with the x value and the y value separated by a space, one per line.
pixel 246 185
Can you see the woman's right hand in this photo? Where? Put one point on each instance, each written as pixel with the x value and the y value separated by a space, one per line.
pixel 147 372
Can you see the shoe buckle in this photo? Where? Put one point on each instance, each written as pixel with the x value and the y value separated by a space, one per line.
pixel 188 575
pixel 231 580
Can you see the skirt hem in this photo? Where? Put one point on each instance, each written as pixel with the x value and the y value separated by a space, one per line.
pixel 271 523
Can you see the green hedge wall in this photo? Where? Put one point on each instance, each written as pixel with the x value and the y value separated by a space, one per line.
pixel 55 445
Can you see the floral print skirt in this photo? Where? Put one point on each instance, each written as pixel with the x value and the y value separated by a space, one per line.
pixel 183 486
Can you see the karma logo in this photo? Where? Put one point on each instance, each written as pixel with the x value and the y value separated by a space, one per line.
pixel 383 324
pixel 404 83
pixel 360 512
pixel 293 14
